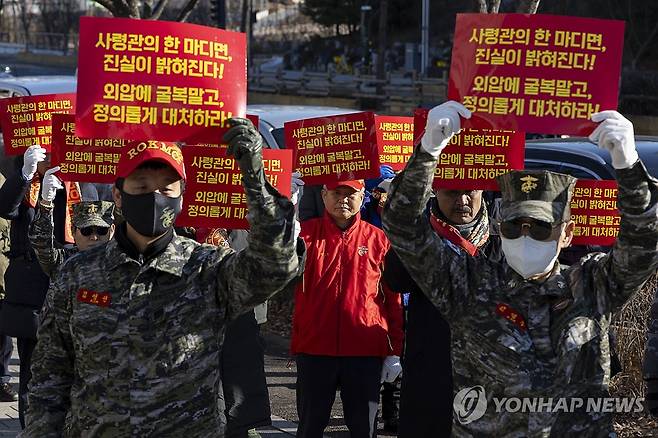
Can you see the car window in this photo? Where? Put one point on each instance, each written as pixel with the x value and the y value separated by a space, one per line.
pixel 574 170
pixel 542 165
pixel 578 172
pixel 280 138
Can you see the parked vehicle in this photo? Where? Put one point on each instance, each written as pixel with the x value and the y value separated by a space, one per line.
pixel 33 85
pixel 581 158
pixel 273 117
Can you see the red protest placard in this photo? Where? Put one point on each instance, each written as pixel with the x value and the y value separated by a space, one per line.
pixel 25 121
pixel 594 210
pixel 158 80
pixel 395 138
pixel 474 158
pixel 535 73
pixel 83 159
pixel 337 148
pixel 214 196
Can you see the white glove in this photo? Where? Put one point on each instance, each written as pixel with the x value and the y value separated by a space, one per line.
pixel 442 123
pixel 33 155
pixel 391 369
pixel 50 185
pixel 615 133
pixel 297 188
pixel 297 230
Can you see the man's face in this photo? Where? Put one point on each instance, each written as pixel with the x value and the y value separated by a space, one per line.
pixel 459 206
pixel 89 237
pixel 562 232
pixel 342 203
pixel 142 181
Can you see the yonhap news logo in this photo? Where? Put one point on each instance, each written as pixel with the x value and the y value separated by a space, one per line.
pixel 470 404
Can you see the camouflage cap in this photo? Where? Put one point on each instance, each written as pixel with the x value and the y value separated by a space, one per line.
pixel 93 214
pixel 538 194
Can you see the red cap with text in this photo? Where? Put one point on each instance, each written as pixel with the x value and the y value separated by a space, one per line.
pixel 137 152
pixel 356 184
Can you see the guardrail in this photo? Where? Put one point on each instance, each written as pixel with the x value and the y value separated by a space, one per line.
pixel 397 92
pixel 57 43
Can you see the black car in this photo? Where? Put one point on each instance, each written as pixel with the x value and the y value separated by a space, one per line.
pixel 583 159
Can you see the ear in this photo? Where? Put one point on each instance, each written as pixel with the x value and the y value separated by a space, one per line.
pixel 116 195
pixel 567 234
pixel 111 232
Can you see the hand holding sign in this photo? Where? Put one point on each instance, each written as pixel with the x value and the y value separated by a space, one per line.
pixel 442 123
pixel 33 156
pixel 245 144
pixel 297 187
pixel 615 133
pixel 50 185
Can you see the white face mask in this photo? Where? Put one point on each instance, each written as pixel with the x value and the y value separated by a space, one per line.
pixel 530 257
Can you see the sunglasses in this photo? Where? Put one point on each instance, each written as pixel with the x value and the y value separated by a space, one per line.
pixel 537 230
pixel 99 231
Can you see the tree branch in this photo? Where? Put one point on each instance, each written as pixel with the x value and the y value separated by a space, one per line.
pixel 187 9
pixel 528 7
pixel 133 8
pixel 644 47
pixel 495 6
pixel 482 6
pixel 157 11
pixel 109 5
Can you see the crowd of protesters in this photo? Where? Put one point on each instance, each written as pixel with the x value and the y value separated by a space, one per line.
pixel 126 325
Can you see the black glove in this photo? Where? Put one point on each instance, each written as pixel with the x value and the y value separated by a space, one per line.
pixel 245 144
pixel 652 397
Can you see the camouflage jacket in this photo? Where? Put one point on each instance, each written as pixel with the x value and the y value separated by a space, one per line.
pixel 130 346
pixel 50 253
pixel 518 338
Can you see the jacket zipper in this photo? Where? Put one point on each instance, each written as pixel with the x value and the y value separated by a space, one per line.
pixel 340 297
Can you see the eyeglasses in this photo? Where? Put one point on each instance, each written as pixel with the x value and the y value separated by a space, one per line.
pixel 99 231
pixel 538 230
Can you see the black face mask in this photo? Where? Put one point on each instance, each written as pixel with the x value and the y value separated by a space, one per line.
pixel 150 214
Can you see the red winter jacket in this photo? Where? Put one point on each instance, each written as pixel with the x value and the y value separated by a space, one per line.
pixel 341 308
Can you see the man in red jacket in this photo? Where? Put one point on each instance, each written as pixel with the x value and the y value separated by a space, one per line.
pixel 347 328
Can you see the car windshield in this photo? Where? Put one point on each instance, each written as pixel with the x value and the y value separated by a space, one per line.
pixel 279 136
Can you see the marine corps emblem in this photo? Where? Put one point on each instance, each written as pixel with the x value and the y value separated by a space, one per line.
pixel 529 184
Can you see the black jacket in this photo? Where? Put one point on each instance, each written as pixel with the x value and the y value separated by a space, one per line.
pixel 244 386
pixel 25 282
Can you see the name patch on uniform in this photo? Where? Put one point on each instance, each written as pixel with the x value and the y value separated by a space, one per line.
pixel 511 315
pixel 102 299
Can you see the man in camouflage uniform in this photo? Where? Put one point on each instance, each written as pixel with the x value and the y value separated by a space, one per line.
pixel 524 327
pixel 93 224
pixel 130 339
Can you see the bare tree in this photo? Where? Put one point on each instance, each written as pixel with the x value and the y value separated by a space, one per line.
pixel 382 40
pixel 59 18
pixel 148 9
pixel 25 14
pixel 528 6
pixel 493 6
